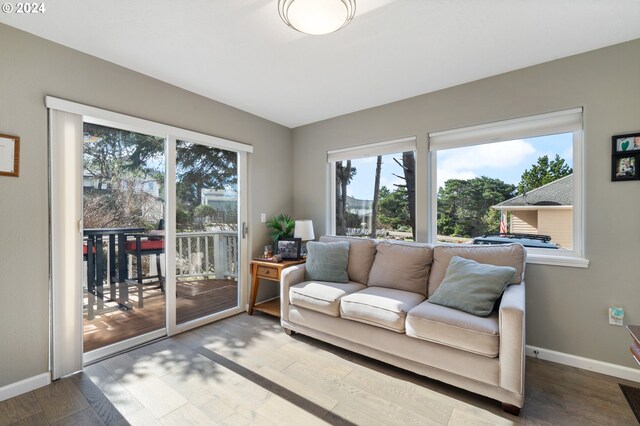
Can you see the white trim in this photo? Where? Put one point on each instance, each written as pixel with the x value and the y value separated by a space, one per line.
pixel 243 220
pixel 126 122
pixel 596 366
pixel 557 260
pixel 24 386
pixel 372 149
pixel 578 193
pixel 331 214
pixel 505 130
pixel 121 346
pixel 170 229
pixel 432 187
pixel 531 207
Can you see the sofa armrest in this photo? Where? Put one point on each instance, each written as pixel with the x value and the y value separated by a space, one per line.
pixel 289 276
pixel 512 338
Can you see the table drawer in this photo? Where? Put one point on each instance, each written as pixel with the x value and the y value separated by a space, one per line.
pixel 266 272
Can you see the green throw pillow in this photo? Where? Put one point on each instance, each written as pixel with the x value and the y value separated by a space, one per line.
pixel 327 261
pixel 472 287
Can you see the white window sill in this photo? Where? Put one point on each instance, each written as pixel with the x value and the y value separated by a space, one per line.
pixel 546 259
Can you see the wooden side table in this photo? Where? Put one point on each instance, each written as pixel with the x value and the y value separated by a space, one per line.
pixel 635 346
pixel 271 272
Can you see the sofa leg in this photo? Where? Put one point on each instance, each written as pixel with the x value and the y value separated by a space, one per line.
pixel 511 409
pixel 289 332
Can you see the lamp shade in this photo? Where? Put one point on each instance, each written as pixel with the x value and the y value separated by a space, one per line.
pixel 304 230
pixel 316 17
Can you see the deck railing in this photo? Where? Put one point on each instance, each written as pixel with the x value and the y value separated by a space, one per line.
pixel 212 253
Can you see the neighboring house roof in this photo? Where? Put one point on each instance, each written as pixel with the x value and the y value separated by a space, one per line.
pixel 556 193
pixel 354 203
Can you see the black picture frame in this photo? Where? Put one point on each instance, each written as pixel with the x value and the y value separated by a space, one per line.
pixel 626 144
pixel 289 248
pixel 625 157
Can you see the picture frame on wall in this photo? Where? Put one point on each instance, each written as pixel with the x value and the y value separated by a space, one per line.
pixel 626 143
pixel 289 248
pixel 625 168
pixel 9 155
pixel 625 157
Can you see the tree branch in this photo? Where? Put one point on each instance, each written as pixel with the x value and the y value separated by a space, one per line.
pixel 400 164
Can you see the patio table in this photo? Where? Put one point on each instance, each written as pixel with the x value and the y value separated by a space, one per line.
pixel 117 257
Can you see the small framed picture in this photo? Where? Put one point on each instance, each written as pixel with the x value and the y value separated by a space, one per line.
pixel 626 143
pixel 9 155
pixel 289 248
pixel 624 168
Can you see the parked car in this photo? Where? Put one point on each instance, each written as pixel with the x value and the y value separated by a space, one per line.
pixel 527 240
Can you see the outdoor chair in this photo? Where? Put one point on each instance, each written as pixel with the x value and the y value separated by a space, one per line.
pixel 87 247
pixel 151 244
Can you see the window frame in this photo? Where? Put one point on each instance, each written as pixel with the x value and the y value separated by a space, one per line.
pixel 359 152
pixel 566 121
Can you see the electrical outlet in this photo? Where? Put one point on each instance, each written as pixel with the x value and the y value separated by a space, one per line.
pixel 263 217
pixel 616 316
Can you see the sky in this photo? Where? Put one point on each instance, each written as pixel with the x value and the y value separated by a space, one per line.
pixel 502 160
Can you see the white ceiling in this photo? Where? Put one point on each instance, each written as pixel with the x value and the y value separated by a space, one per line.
pixel 240 53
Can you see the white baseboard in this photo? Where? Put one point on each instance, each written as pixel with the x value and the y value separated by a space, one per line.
pixel 23 386
pixel 596 366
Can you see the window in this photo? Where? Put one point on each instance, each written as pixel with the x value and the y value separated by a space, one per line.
pixel 373 190
pixel 513 181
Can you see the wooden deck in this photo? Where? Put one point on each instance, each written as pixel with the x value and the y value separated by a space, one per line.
pixel 196 298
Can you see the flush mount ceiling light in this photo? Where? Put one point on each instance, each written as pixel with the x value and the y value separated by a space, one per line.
pixel 317 17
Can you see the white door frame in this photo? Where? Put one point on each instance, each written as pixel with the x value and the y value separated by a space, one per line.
pixel 170 134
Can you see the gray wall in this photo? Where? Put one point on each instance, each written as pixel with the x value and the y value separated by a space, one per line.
pixel 566 307
pixel 30 69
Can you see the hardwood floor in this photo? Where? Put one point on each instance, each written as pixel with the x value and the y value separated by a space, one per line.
pixel 196 298
pixel 73 400
pixel 245 370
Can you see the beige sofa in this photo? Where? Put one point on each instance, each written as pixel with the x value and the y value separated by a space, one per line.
pixel 383 312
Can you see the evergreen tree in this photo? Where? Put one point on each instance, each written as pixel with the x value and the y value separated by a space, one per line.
pixel 394 208
pixel 464 206
pixel 542 173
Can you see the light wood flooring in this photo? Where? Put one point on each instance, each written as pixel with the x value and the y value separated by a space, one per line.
pixel 73 400
pixel 196 298
pixel 245 370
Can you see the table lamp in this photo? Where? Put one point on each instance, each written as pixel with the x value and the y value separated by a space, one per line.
pixel 304 231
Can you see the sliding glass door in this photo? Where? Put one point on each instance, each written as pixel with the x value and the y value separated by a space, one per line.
pixel 123 194
pixel 147 231
pixel 207 231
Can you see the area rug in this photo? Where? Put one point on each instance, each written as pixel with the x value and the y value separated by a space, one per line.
pixel 633 398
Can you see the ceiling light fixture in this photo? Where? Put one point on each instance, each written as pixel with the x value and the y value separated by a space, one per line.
pixel 316 17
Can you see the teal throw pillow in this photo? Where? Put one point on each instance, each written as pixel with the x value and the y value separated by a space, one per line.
pixel 472 287
pixel 327 261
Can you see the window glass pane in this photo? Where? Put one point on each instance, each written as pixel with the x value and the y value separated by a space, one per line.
pixel 123 249
pixel 513 191
pixel 375 196
pixel 206 230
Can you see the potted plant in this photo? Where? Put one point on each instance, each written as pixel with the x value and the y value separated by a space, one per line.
pixel 281 226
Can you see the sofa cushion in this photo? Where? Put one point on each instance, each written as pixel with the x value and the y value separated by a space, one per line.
pixel 322 297
pixel 402 266
pixel 454 328
pixel 500 255
pixel 362 251
pixel 381 307
pixel 472 287
pixel 327 261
